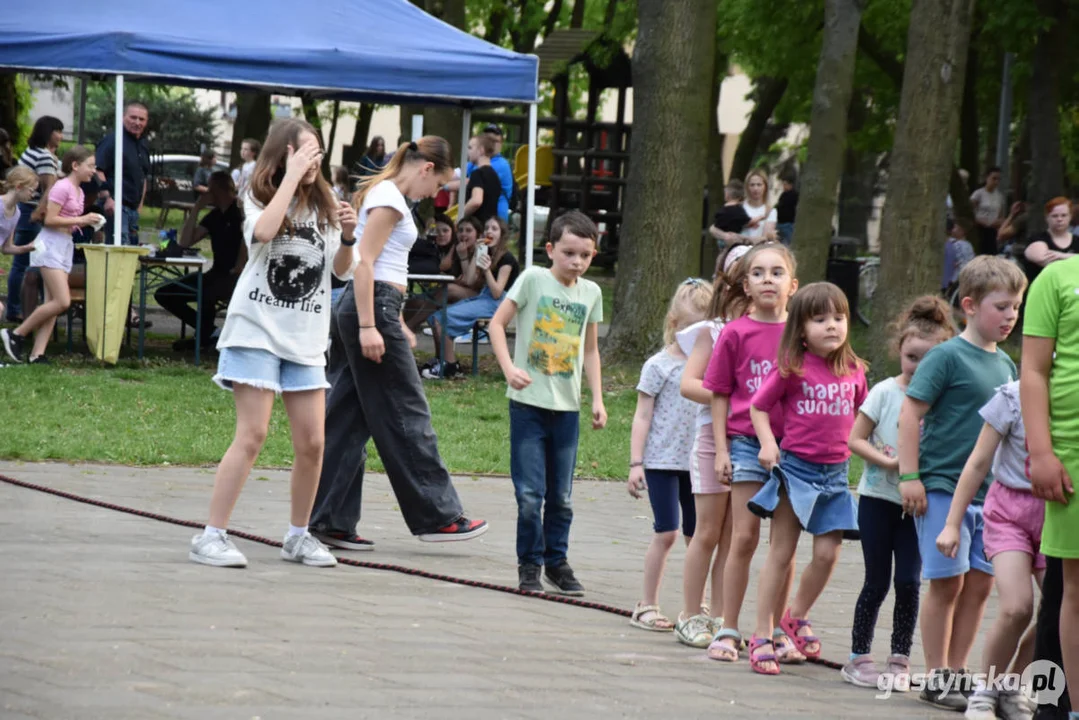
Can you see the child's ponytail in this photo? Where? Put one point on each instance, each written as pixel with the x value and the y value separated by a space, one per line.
pixel 927 317
pixel 429 148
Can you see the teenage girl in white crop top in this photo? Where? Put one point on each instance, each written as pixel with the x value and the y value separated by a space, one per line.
pixel 376 392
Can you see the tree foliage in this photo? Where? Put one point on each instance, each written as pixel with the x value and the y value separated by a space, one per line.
pixel 177 123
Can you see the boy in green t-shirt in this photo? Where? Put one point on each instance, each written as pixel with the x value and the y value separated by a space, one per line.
pixel 1049 394
pixel 558 313
pixel 953 381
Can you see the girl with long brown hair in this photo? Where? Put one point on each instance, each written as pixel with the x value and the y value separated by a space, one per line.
pixel 274 338
pixel 498 269
pixel 376 388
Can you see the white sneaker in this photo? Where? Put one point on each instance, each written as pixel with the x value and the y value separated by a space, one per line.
pixel 981 707
pixel 215 549
pixel 307 550
pixel 1015 706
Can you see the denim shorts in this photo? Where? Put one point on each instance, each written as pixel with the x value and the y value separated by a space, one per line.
pixel 818 494
pixel 971 554
pixel 264 370
pixel 745 460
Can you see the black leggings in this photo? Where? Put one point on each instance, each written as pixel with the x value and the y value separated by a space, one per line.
pixel 885 532
pixel 1047 632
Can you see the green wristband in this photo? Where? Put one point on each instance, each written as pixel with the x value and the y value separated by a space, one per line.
pixel 906 477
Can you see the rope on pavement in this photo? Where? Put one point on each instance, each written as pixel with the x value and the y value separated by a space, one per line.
pixel 404 570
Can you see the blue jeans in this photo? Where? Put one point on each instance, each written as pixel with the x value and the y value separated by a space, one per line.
pixel 785 231
pixel 129 226
pixel 543 455
pixel 25 232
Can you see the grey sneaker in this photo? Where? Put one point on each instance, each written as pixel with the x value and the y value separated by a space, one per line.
pixel 941 690
pixel 215 549
pixel 861 672
pixel 528 577
pixel 1014 706
pixel 695 631
pixel 981 707
pixel 307 550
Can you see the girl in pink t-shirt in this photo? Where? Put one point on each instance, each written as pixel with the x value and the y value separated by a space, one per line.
pixel 819 385
pixel 53 254
pixel 744 356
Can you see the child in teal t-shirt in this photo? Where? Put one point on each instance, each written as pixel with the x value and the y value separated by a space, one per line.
pixel 951 384
pixel 558 313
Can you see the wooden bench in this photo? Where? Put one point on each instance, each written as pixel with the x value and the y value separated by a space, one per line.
pixel 78 305
pixel 186 208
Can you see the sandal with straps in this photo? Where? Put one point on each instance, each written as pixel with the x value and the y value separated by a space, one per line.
pixel 791 626
pixel 758 659
pixel 724 652
pixel 786 651
pixel 656 623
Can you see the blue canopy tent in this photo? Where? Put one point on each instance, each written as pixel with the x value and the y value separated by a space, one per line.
pixel 385 51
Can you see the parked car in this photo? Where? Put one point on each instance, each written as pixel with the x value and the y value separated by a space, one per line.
pixel 171 177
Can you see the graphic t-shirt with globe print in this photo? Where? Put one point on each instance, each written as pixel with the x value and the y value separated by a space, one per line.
pixel 282 299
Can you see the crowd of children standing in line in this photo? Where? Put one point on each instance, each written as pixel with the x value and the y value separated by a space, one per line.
pixel 752 410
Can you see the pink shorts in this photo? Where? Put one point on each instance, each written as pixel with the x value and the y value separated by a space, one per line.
pixel 702 464
pixel 1013 521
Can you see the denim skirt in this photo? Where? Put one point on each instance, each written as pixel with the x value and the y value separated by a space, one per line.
pixel 818 493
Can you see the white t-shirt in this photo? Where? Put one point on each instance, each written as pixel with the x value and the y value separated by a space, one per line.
pixel 391 266
pixel 882 406
pixel 757 212
pixel 282 298
pixel 686 339
pixel 1004 415
pixel 245 177
pixel 989 205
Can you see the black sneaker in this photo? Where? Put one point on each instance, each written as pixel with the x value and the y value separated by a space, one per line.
pixel 343 540
pixel 13 345
pixel 941 689
pixel 41 360
pixel 460 529
pixel 561 578
pixel 529 577
pixel 449 370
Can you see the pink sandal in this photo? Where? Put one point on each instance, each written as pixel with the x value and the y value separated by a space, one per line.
pixel 791 626
pixel 756 662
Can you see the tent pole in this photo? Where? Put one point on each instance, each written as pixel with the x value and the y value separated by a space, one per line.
pixel 82 110
pixel 118 165
pixel 530 191
pixel 466 133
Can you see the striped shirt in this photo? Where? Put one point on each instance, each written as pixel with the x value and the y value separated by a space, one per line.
pixel 41 161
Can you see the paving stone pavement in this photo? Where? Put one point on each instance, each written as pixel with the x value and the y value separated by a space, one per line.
pixel 103 616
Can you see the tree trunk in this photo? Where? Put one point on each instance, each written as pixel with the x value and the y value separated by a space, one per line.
pixel 672 65
pixel 925 138
pixel 714 169
pixel 252 121
pixel 1043 113
pixel 352 154
pixel 968 119
pixel 576 20
pixel 768 92
pixel 326 167
pixel 828 138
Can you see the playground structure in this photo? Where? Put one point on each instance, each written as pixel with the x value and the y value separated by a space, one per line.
pixel 586 167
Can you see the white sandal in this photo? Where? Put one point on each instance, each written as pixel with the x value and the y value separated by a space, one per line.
pixel 653 624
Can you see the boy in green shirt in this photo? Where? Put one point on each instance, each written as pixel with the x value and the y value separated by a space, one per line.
pixel 953 381
pixel 558 313
pixel 1048 390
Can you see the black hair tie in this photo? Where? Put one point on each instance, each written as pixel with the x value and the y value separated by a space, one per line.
pixel 413 147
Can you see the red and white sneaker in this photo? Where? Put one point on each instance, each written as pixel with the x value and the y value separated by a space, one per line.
pixel 460 529
pixel 344 540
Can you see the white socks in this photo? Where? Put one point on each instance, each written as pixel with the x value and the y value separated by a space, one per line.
pixel 211 529
pixel 293 530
